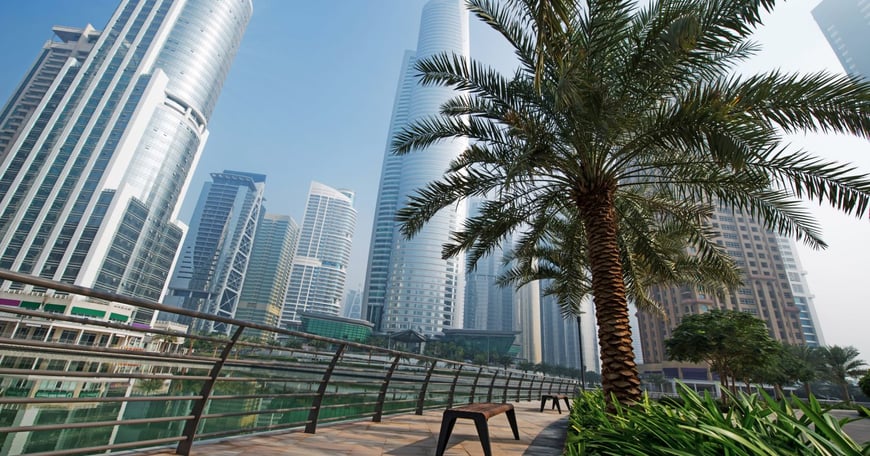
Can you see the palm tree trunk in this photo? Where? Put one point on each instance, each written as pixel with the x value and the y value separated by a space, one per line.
pixel 619 376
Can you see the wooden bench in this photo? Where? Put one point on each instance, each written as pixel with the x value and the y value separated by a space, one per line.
pixel 555 398
pixel 480 413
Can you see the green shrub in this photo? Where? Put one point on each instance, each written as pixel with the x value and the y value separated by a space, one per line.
pixel 864 384
pixel 752 425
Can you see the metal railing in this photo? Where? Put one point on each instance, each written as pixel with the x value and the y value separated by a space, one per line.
pixel 79 385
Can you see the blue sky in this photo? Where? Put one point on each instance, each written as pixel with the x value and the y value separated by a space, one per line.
pixel 310 94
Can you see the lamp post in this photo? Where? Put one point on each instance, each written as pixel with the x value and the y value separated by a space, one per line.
pixel 582 362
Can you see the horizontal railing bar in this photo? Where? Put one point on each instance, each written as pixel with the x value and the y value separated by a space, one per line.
pixel 106 375
pixel 253 430
pixel 262 396
pixel 92 424
pixel 80 400
pixel 116 446
pixel 65 349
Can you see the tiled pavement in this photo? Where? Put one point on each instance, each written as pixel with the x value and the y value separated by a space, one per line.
pixel 541 434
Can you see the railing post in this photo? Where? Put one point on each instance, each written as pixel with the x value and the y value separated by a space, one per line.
pixel 520 386
pixel 190 426
pixel 474 386
pixel 541 387
pixel 507 385
pixel 421 400
pixel 314 413
pixel 532 385
pixel 491 385
pixel 550 389
pixel 453 387
pixel 382 396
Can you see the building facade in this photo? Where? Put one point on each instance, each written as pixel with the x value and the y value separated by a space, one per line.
pixel 319 270
pixel 268 275
pixel 766 293
pixel 408 285
pixel 99 141
pixel 846 25
pixel 213 262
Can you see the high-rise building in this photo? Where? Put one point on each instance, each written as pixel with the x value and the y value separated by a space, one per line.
pixel 352 307
pixel 319 269
pixel 527 321
pixel 846 25
pixel 766 293
pixel 99 141
pixel 561 342
pixel 268 275
pixel 408 284
pixel 800 290
pixel 213 262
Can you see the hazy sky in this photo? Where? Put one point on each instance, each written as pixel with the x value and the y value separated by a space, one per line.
pixel 310 94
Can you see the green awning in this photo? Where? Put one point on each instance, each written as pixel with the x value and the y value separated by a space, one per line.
pixel 59 308
pixel 30 305
pixel 118 317
pixel 87 312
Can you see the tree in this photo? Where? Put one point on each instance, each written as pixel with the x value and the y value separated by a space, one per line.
pixel 788 364
pixel 614 95
pixel 838 364
pixel 732 343
pixel 864 384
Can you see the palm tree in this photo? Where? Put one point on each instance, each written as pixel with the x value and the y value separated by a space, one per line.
pixel 610 96
pixel 838 364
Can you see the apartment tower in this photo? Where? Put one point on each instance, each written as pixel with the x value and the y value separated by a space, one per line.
pixel 766 293
pixel 100 139
pixel 408 285
pixel 319 269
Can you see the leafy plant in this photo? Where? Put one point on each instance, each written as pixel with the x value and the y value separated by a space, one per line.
pixel 694 425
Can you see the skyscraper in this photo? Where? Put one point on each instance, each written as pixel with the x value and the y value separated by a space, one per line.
pixel 766 293
pixel 408 285
pixel 213 262
pixel 319 269
pixel 99 141
pixel 846 25
pixel 268 275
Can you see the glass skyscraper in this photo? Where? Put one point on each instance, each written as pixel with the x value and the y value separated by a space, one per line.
pixel 319 269
pixel 99 141
pixel 846 25
pixel 214 258
pixel 408 285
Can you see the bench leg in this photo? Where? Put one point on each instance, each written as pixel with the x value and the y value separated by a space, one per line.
pixel 512 419
pixel 568 404
pixel 447 423
pixel 483 433
pixel 556 405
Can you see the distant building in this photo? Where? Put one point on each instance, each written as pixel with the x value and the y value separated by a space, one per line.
pixel 353 304
pixel 408 285
pixel 846 25
pixel 268 275
pixel 319 270
pixel 100 139
pixel 210 271
pixel 800 289
pixel 766 293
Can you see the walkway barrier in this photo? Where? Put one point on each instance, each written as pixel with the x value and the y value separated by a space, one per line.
pixel 83 382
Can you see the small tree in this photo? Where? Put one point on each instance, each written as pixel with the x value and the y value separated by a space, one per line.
pixel 864 384
pixel 730 342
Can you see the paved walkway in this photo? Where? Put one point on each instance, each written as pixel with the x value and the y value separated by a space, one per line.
pixel 541 434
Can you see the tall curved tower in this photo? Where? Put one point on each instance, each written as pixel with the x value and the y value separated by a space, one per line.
pixel 319 269
pixel 408 285
pixel 92 173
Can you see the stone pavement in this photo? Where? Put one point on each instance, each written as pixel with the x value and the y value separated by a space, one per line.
pixel 541 434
